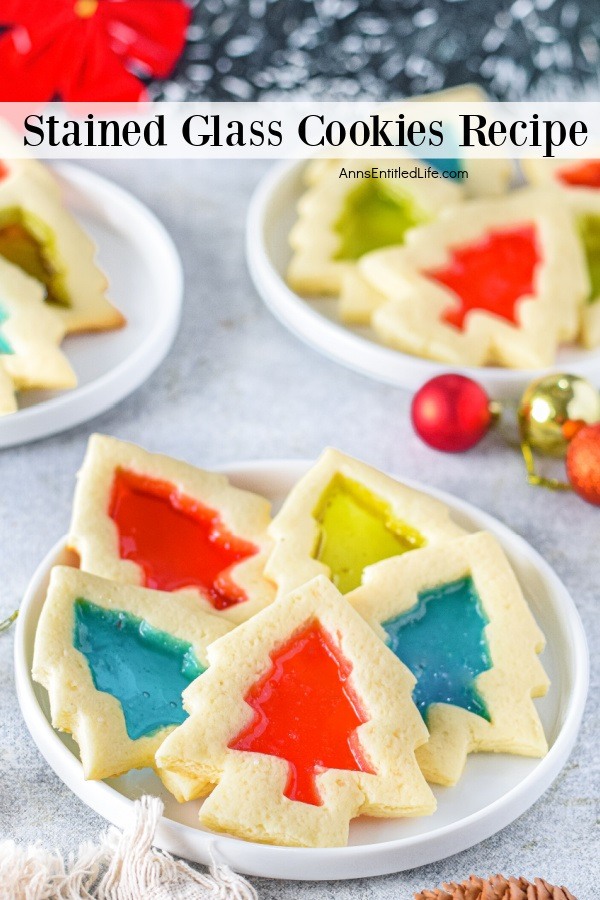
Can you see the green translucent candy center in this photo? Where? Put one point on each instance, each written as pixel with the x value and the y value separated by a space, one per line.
pixel 357 529
pixel 143 668
pixel 374 215
pixel 30 244
pixel 589 228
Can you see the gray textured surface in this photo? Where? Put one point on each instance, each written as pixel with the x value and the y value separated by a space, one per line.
pixel 238 386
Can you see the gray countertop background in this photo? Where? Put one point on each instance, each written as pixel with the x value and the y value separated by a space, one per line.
pixel 235 386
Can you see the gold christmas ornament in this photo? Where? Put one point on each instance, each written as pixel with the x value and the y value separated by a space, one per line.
pixel 554 408
pixel 550 413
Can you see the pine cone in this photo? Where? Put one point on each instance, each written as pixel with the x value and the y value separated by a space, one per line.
pixel 497 888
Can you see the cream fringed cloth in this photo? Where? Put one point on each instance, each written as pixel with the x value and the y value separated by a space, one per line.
pixel 123 866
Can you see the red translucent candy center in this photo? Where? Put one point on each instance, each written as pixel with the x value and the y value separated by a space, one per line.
pixel 306 713
pixel 491 274
pixel 177 542
pixel 583 174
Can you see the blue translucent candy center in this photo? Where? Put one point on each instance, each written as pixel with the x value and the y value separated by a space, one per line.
pixel 442 641
pixel 451 163
pixel 4 345
pixel 445 165
pixel 143 668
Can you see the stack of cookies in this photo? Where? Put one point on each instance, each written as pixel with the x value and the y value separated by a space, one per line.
pixel 50 284
pixel 297 671
pixel 451 264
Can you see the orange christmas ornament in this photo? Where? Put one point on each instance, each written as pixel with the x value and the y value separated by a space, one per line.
pixel 583 463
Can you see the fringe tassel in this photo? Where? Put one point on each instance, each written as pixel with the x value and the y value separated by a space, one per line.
pixel 124 866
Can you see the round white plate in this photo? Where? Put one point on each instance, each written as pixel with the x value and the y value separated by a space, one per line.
pixel 270 218
pixel 494 790
pixel 146 284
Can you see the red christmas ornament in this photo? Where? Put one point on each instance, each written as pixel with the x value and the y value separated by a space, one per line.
pixel 451 413
pixel 583 463
pixel 88 50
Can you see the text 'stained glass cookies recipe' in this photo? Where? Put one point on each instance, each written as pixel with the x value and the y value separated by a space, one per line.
pixel 296 671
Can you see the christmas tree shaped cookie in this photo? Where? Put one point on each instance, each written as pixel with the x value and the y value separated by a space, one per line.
pixel 578 182
pixel 486 177
pixel 146 519
pixel 30 335
pixel 587 217
pixel 40 236
pixel 344 515
pixel 115 660
pixel 498 282
pixel 295 726
pixel 342 218
pixel 455 615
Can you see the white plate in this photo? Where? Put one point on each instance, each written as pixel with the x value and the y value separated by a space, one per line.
pixel 146 284
pixel 270 218
pixel 494 790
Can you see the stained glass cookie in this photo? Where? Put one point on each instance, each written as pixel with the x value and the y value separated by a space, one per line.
pixel 146 519
pixel 30 335
pixel 344 515
pixel 579 184
pixel 486 177
pixel 342 218
pixel 490 282
pixel 40 236
pixel 456 616
pixel 115 660
pixel 296 727
pixel 587 216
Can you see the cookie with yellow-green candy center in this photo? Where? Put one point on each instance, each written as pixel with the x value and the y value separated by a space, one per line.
pixel 115 660
pixel 39 235
pixel 340 218
pixel 149 520
pixel 490 282
pixel 456 616
pixel 30 337
pixel 293 729
pixel 344 515
pixel 587 216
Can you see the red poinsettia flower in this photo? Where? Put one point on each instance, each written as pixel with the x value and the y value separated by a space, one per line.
pixel 87 50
